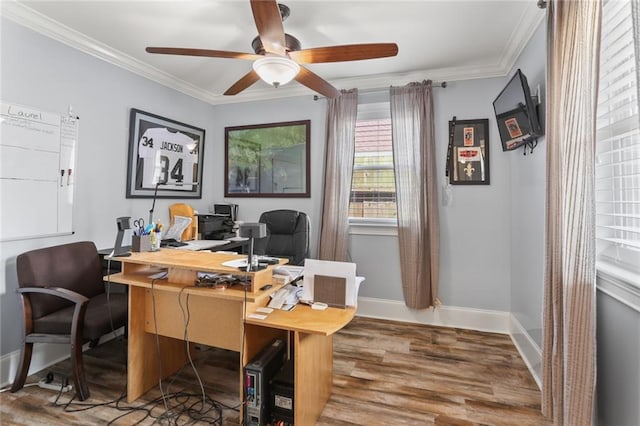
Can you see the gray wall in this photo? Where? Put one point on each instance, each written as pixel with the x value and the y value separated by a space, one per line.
pixel 618 381
pixel 39 72
pixel 528 181
pixel 474 228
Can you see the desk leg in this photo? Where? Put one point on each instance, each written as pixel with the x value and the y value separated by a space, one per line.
pixel 313 376
pixel 143 360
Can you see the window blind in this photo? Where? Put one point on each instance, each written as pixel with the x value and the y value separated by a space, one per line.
pixel 618 142
pixel 373 191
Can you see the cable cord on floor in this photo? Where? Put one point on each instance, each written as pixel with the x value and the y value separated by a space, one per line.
pixel 155 326
pixel 178 408
pixel 108 290
pixel 183 411
pixel 244 336
pixel 186 315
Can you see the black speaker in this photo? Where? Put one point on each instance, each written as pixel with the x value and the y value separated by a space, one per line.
pixel 253 230
pixel 123 224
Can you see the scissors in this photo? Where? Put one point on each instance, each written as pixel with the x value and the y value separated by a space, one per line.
pixel 139 223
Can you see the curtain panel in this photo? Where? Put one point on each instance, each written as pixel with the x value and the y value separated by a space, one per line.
pixel 573 39
pixel 341 135
pixel 416 192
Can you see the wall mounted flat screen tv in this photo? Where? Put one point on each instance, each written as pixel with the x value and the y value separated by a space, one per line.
pixel 516 114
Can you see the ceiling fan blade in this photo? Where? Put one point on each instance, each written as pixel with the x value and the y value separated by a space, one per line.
pixel 203 52
pixel 347 52
pixel 316 83
pixel 266 14
pixel 246 81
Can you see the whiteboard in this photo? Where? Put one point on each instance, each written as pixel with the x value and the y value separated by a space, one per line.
pixel 37 172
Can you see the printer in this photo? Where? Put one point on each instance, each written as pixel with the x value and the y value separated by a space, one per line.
pixel 220 225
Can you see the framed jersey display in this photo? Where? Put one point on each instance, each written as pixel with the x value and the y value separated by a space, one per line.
pixel 165 157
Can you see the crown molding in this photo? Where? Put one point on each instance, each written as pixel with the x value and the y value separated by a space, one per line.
pixel 528 23
pixel 27 17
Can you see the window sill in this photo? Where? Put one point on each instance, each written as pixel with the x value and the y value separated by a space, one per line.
pixel 387 227
pixel 621 284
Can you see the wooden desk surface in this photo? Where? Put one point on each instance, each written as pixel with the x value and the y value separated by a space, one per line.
pixel 183 266
pixel 307 320
pixel 205 261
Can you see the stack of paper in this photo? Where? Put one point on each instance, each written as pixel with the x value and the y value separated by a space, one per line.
pixel 290 271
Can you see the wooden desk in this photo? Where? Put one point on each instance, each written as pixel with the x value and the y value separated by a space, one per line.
pixel 311 339
pixel 241 247
pixel 216 319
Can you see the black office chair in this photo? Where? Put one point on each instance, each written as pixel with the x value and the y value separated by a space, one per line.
pixel 287 235
pixel 65 301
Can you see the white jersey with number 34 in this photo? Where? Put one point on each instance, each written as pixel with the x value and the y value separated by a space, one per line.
pixel 168 157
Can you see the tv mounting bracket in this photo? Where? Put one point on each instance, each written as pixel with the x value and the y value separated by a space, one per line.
pixel 534 142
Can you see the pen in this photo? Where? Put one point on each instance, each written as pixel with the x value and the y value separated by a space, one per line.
pixel 61 176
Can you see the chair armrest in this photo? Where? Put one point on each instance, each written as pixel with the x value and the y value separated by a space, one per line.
pixel 77 323
pixel 64 293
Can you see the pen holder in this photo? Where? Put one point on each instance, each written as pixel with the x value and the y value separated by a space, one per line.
pixel 141 243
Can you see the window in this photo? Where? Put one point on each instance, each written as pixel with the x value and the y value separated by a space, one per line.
pixel 373 190
pixel 618 144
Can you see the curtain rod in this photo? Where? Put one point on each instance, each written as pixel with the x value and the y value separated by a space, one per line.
pixel 442 84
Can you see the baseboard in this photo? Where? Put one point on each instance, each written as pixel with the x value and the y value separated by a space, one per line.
pixel 446 316
pixel 529 350
pixel 44 355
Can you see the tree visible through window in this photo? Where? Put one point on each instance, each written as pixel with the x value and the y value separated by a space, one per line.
pixel 373 191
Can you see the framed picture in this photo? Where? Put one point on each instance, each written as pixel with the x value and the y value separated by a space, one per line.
pixel 165 156
pixel 268 160
pixel 469 152
pixel 514 128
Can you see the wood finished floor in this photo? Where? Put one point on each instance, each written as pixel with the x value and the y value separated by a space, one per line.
pixel 385 373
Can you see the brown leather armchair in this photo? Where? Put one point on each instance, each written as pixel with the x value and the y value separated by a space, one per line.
pixel 65 301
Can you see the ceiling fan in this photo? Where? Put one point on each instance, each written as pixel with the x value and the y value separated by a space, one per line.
pixel 278 57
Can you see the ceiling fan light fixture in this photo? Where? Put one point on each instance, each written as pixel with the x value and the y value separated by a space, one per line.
pixel 276 70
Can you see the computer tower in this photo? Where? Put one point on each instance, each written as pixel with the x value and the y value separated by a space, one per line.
pixel 257 375
pixel 282 397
